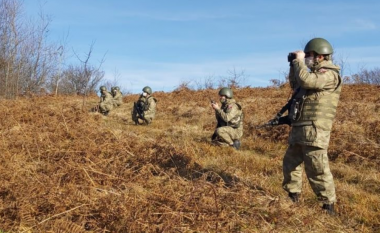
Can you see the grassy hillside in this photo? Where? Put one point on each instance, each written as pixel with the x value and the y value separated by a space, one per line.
pixel 65 169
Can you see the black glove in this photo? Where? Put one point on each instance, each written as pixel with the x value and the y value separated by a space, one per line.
pixel 284 121
pixel 275 120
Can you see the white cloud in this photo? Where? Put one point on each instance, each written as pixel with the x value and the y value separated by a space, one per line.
pixel 363 24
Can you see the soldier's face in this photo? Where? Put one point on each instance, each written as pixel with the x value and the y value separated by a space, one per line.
pixel 222 98
pixel 145 94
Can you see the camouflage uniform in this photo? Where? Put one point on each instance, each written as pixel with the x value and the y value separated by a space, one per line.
pixel 312 121
pixel 117 98
pixel 230 123
pixel 106 102
pixel 148 109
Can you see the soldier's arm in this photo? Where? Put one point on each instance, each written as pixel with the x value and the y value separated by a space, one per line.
pixel 230 114
pixel 108 99
pixel 311 80
pixel 151 105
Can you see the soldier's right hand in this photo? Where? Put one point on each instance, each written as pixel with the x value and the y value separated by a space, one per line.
pixel 275 120
pixel 215 106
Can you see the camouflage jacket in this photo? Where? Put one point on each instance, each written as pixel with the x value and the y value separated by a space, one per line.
pixel 117 98
pixel 149 106
pixel 317 99
pixel 106 98
pixel 230 114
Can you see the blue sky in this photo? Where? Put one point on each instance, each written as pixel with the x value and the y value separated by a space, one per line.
pixel 163 43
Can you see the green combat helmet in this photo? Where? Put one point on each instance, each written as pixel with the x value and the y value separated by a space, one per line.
pixel 320 46
pixel 227 92
pixel 147 90
pixel 103 88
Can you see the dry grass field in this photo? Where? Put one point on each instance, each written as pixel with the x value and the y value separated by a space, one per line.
pixel 66 169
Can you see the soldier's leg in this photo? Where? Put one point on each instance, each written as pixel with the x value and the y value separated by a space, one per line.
pixel 102 108
pixel 319 175
pixel 292 169
pixel 225 135
pixel 147 120
pixel 106 108
pixel 109 107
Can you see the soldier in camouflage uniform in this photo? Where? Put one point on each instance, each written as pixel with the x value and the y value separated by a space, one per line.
pixel 312 112
pixel 106 101
pixel 117 96
pixel 229 116
pixel 144 110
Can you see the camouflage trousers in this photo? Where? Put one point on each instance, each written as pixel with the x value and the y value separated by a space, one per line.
pixel 317 170
pixel 105 107
pixel 226 135
pixel 117 103
pixel 136 117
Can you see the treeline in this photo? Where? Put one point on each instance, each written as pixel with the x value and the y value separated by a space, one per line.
pixel 365 76
pixel 30 64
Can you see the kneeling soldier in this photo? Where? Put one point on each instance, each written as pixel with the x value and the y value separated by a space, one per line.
pixel 106 101
pixel 229 116
pixel 117 96
pixel 144 110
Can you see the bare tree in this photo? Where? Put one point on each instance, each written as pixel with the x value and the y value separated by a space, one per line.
pixel 206 83
pixel 113 83
pixel 27 58
pixel 366 76
pixel 234 79
pixel 9 42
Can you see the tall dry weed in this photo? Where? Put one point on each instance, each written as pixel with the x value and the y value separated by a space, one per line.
pixel 65 169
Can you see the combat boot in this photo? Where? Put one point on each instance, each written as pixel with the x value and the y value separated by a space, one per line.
pixel 329 208
pixel 295 197
pixel 236 144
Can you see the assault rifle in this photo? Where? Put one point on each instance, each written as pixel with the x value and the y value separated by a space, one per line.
pixel 139 109
pixel 278 120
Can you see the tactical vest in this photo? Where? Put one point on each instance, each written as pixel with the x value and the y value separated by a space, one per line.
pixel 234 122
pixel 322 110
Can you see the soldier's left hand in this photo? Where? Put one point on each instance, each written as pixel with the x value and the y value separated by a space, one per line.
pixel 300 54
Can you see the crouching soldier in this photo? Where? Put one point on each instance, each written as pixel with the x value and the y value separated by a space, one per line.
pixel 144 110
pixel 106 101
pixel 229 118
pixel 117 96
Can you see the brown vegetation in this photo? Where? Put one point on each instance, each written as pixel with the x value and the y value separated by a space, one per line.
pixel 65 169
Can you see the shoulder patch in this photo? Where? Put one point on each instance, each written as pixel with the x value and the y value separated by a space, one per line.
pixel 322 70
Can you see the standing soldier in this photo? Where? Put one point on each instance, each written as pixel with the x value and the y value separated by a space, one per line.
pixel 106 101
pixel 144 110
pixel 229 116
pixel 312 112
pixel 117 96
